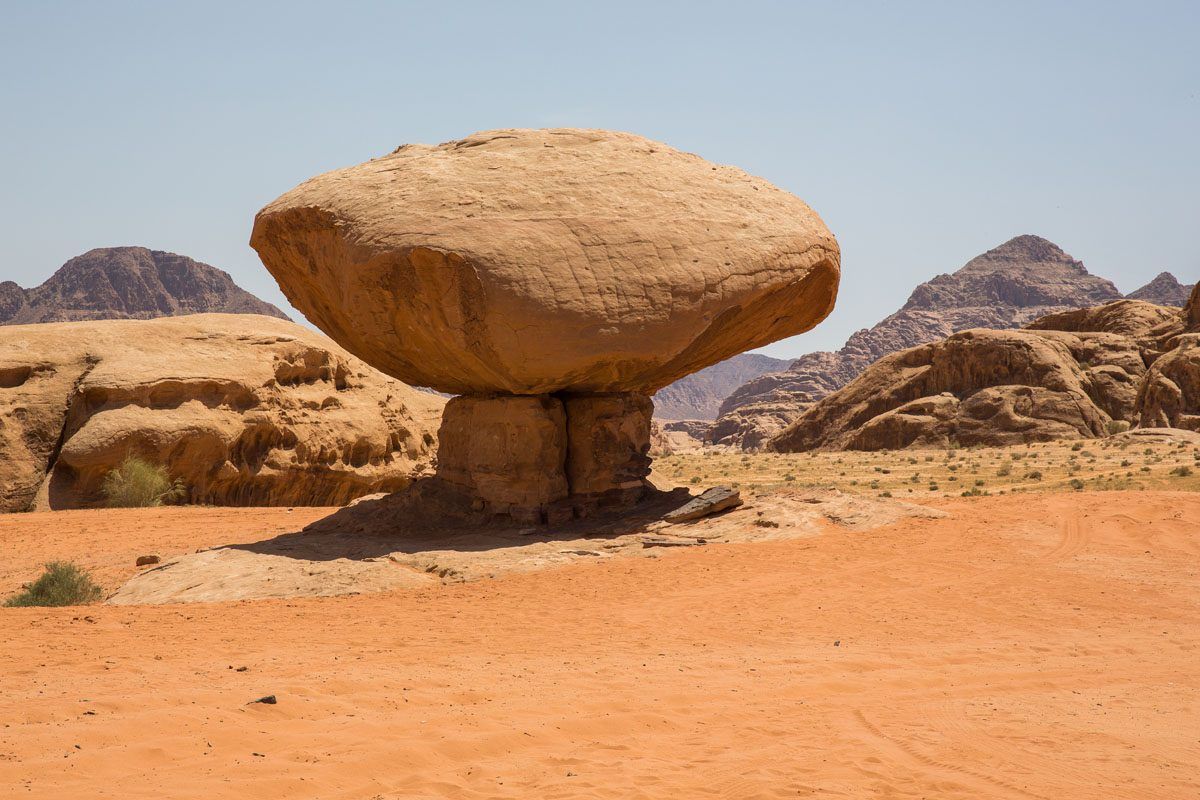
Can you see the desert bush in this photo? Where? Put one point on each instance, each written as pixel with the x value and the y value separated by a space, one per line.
pixel 1076 484
pixel 1035 475
pixel 1005 469
pixel 1116 426
pixel 62 584
pixel 139 484
pixel 1182 472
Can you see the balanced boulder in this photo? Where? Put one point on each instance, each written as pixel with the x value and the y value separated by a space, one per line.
pixel 586 268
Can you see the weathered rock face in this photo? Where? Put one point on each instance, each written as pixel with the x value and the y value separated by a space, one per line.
pixel 247 410
pixel 541 273
pixel 541 261
pixel 1068 375
pixel 1170 395
pixel 1136 319
pixel 128 283
pixel 509 452
pixel 1164 290
pixel 1004 288
pixel 978 387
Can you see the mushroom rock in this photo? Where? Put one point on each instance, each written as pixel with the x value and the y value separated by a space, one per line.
pixel 553 279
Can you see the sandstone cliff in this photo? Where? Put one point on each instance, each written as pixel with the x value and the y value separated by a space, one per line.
pixel 128 283
pixel 1004 288
pixel 246 409
pixel 1073 374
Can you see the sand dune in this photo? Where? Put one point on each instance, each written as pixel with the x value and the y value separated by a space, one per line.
pixel 1024 647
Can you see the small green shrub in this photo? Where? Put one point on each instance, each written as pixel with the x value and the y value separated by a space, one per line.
pixel 1035 475
pixel 1182 472
pixel 1116 426
pixel 62 584
pixel 1076 484
pixel 139 484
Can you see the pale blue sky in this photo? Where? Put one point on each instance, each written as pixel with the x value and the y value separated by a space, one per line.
pixel 923 132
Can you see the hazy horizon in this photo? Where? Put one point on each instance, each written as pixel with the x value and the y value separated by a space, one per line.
pixel 923 135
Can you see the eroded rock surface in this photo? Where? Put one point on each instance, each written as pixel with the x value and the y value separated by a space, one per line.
pixel 554 279
pixel 1068 375
pixel 245 409
pixel 540 261
pixel 1007 287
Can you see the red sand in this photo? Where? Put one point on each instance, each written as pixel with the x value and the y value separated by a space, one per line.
pixel 1040 646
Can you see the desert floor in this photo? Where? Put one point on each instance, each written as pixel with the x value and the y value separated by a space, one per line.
pixel 1026 646
pixel 1111 464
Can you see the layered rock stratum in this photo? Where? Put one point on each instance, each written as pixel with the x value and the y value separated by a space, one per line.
pixel 1075 374
pixel 543 275
pixel 128 283
pixel 1007 287
pixel 244 409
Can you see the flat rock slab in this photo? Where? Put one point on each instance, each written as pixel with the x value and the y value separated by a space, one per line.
pixel 361 550
pixel 712 501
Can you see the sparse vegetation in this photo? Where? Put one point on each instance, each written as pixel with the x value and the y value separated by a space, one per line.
pixel 1098 464
pixel 139 484
pixel 62 584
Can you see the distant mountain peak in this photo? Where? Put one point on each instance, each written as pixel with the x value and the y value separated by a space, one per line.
pixel 1023 253
pixel 128 283
pixel 1165 290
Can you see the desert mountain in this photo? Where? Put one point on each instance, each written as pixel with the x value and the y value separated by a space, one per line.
pixel 128 283
pixel 1083 373
pixel 245 409
pixel 1164 290
pixel 699 395
pixel 1007 287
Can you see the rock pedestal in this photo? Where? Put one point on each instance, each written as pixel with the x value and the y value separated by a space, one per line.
pixel 541 458
pixel 553 279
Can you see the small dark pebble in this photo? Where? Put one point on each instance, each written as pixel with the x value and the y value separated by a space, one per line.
pixel 838 643
pixel 241 669
pixel 145 561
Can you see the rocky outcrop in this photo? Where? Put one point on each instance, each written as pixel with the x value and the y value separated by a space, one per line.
pixel 677 436
pixel 1007 287
pixel 1164 290
pixel 128 283
pixel 544 275
pixel 244 409
pixel 700 395
pixel 1170 395
pixel 1068 375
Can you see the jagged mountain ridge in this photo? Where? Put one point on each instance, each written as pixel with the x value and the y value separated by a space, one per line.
pixel 128 283
pixel 699 395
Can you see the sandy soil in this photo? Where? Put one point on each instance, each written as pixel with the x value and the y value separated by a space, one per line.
pixel 1028 646
pixel 1139 460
